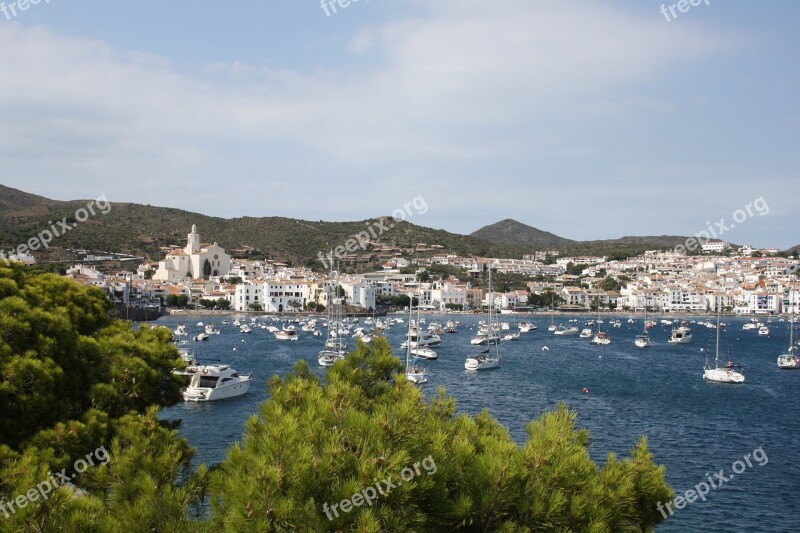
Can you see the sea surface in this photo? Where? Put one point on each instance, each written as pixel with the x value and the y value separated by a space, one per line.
pixel 694 428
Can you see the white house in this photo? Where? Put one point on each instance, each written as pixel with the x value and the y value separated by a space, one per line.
pixel 193 261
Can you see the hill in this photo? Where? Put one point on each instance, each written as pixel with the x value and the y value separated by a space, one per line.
pixel 515 233
pixel 510 231
pixel 146 230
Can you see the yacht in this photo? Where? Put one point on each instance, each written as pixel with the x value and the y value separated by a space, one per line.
pixel 643 340
pixel 423 352
pixel 566 330
pixel 421 338
pixel 180 330
pixel 586 333
pixel 216 382
pixel 286 334
pixel 526 327
pixel 681 335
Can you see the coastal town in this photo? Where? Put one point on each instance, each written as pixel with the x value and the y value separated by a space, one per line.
pixel 745 282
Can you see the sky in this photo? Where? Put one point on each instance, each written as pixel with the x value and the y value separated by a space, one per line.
pixel 591 120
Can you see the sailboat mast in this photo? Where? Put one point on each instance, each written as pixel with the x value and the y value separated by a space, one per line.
pixel 716 357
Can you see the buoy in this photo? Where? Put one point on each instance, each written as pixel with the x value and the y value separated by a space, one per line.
pixel 234 348
pixel 585 390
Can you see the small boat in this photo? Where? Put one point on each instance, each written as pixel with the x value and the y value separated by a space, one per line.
pixel 749 325
pixel 602 338
pixel 643 340
pixel 586 333
pixel 511 336
pixel 201 337
pixel 451 327
pixel 789 360
pixel 526 327
pixel 244 328
pixel 730 373
pixel 763 331
pixel 681 335
pixel 566 330
pixel 415 373
pixel 216 382
pixel 180 330
pixel 287 334
pixel 486 360
pixel 424 353
pixel 212 329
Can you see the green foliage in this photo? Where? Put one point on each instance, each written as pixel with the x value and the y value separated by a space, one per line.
pixel 576 270
pixel 220 303
pixel 74 380
pixel 610 284
pixel 546 299
pixel 314 445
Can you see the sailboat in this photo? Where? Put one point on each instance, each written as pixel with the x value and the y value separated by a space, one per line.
pixel 601 337
pixel 415 373
pixel 730 373
pixel 552 327
pixel 789 360
pixel 485 359
pixel 335 346
pixel 643 340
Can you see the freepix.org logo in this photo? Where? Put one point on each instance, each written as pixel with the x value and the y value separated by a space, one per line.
pixel 12 9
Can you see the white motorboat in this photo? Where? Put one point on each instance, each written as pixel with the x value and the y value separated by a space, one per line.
pixel 423 338
pixel 681 335
pixel 216 382
pixel 423 352
pixel 526 327
pixel 749 325
pixel 201 337
pixel 511 336
pixel 566 330
pixel 286 334
pixel 212 329
pixel 586 333
pixel 451 326
pixel 180 330
pixel 730 373
pixel 763 331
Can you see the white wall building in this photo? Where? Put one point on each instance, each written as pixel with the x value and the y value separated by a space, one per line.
pixel 193 261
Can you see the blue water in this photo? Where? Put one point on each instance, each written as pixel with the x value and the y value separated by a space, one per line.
pixel 694 428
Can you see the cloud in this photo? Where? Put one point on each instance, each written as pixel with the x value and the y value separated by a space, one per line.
pixel 451 95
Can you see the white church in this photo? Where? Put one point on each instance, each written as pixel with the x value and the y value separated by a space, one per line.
pixel 194 261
